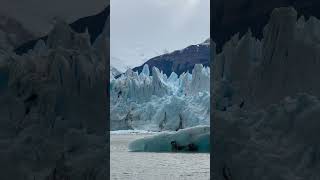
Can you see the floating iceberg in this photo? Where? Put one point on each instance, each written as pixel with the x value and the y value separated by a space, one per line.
pixel 195 139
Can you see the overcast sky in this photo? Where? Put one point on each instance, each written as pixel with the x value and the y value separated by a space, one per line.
pixel 142 29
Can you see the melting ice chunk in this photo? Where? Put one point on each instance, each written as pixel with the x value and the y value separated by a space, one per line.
pixel 195 139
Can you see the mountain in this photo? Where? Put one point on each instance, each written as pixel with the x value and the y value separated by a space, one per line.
pixel 232 16
pixel 181 60
pixel 266 101
pixel 94 24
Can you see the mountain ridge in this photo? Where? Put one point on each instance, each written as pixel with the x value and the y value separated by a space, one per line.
pixel 180 61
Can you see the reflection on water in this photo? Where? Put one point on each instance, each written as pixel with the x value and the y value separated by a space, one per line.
pixel 154 166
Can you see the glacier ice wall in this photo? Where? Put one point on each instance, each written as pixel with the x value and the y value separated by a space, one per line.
pixel 259 72
pixel 53 117
pixel 158 102
pixel 266 101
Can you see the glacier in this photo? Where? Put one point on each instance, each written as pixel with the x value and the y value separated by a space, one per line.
pixel 194 139
pixel 154 102
pixel 266 105
pixel 52 107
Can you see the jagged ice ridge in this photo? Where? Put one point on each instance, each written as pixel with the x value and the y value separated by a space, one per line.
pixel 158 102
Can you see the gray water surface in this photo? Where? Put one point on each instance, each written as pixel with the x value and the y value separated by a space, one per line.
pixel 154 166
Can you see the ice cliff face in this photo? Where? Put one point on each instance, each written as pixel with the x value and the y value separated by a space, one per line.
pixel 266 99
pixel 283 63
pixel 93 25
pixel 158 102
pixel 53 116
pixel 236 16
pixel 279 141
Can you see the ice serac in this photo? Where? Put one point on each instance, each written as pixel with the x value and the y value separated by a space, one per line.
pixel 159 87
pixel 145 70
pixel 200 79
pixel 157 103
pixel 283 63
pixel 93 25
pixel 195 139
pixel 114 72
pixel 53 117
pixel 266 101
pixel 233 16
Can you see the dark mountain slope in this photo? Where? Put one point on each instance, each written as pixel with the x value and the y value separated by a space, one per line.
pixel 181 60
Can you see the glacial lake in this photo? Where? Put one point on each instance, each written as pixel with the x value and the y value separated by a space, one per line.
pixel 154 166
